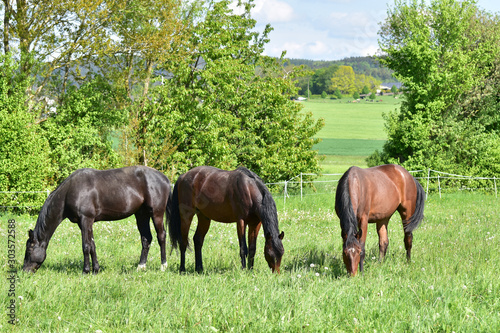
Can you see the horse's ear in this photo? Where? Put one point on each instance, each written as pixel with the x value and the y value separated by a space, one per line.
pixel 31 235
pixel 281 235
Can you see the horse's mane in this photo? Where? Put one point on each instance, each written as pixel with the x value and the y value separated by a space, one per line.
pixel 267 210
pixel 343 204
pixel 41 222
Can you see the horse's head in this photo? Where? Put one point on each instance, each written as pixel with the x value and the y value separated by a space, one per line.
pixel 35 253
pixel 352 253
pixel 273 251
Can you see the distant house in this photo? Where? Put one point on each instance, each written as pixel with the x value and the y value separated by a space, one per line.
pixel 390 84
pixel 386 87
pixel 300 98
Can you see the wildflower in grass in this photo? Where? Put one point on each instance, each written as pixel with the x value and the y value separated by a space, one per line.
pixel 317 274
pixel 312 265
pixel 326 268
pixel 299 276
pixel 431 287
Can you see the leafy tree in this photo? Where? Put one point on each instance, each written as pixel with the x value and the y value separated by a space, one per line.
pixel 394 89
pixel 344 79
pixel 348 82
pixel 441 52
pixel 79 133
pixel 355 95
pixel 227 105
pixel 372 96
pixel 337 93
pixel 324 94
pixel 320 81
pixel 24 154
pixel 54 36
pixel 365 90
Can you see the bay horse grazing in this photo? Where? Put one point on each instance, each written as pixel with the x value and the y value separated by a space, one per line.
pixel 373 195
pixel 89 195
pixel 225 196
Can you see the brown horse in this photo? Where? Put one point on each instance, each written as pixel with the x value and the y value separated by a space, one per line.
pixel 373 195
pixel 89 195
pixel 225 196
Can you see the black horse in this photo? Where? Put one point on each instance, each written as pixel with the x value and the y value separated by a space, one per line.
pixel 89 195
pixel 225 196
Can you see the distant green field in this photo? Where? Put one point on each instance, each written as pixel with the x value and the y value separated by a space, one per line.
pixel 351 129
pixel 349 147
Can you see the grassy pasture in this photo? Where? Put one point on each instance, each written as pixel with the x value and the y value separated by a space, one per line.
pixel 351 129
pixel 451 285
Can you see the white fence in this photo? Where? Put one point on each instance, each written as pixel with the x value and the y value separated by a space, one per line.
pixel 431 180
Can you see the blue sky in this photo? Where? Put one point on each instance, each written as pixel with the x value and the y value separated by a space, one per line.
pixel 327 29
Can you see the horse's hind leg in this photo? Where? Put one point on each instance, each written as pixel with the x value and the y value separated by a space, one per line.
pixel 161 235
pixel 253 232
pixel 186 219
pixel 408 245
pixel 240 227
pixel 88 245
pixel 198 239
pixel 142 219
pixel 383 239
pixel 403 212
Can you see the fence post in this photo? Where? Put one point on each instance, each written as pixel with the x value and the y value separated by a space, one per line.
pixel 284 193
pixel 428 180
pixel 301 186
pixel 439 186
pixel 495 181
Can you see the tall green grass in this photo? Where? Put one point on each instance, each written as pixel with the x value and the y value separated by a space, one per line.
pixel 452 283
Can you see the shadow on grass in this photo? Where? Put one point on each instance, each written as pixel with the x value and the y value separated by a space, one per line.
pixel 306 259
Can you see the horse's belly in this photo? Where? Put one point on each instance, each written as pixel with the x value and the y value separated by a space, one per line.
pixel 381 212
pixel 219 215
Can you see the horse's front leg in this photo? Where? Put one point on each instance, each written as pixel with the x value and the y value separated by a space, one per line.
pixel 240 227
pixel 198 239
pixel 362 233
pixel 88 245
pixel 383 239
pixel 253 232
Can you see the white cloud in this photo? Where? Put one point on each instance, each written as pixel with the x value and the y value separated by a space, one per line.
pixel 269 11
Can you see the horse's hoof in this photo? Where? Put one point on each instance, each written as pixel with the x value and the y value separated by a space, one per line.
pixel 163 267
pixel 141 267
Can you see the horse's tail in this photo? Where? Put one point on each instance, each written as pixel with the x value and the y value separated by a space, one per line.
pixel 174 225
pixel 343 207
pixel 418 215
pixel 169 208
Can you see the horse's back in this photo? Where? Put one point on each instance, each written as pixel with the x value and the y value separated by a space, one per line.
pixel 221 195
pixel 116 193
pixel 378 191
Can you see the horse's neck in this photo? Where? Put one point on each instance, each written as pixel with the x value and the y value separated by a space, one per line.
pixel 47 224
